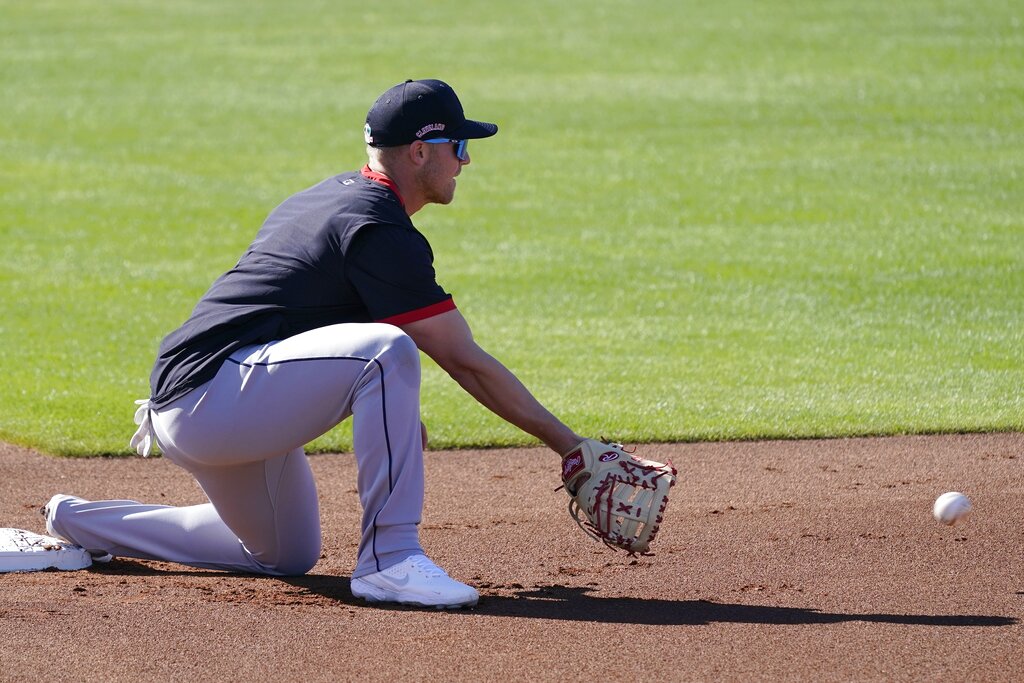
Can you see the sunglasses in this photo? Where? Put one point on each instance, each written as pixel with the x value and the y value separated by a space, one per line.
pixel 458 145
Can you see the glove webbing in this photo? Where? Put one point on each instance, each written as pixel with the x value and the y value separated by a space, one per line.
pixel 605 490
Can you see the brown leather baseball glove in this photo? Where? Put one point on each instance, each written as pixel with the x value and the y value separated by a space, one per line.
pixel 621 496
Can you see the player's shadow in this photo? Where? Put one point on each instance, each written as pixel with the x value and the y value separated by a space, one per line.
pixel 574 604
pixel 566 603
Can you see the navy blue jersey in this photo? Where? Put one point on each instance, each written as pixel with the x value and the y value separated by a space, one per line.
pixel 342 251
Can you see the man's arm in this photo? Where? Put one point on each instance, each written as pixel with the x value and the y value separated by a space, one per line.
pixel 447 339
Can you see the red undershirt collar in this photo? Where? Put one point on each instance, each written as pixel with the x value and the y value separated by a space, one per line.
pixel 370 174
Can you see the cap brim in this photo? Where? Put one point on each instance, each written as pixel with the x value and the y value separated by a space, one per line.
pixel 473 130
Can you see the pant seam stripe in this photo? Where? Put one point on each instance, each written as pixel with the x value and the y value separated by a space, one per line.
pixel 384 420
pixel 264 364
pixel 387 443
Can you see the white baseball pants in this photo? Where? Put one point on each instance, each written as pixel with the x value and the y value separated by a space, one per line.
pixel 241 436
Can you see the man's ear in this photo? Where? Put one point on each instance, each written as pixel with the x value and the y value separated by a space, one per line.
pixel 418 153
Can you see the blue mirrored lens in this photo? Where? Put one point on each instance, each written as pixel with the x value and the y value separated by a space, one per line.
pixel 460 146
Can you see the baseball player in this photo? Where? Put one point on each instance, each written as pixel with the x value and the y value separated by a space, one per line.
pixel 322 318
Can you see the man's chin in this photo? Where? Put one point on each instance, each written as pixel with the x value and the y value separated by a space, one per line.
pixel 446 198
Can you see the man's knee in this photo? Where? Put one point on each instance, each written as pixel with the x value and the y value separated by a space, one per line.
pixel 298 562
pixel 398 348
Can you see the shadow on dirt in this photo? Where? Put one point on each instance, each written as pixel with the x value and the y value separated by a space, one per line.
pixel 574 604
pixel 567 603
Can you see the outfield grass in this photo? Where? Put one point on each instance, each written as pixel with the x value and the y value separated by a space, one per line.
pixel 720 220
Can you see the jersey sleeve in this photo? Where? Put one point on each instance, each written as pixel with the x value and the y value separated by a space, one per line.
pixel 392 270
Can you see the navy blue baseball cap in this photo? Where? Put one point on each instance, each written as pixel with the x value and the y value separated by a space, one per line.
pixel 420 110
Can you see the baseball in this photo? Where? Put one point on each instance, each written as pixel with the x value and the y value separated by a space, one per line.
pixel 951 507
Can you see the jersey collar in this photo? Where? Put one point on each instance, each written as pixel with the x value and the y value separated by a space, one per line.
pixel 376 177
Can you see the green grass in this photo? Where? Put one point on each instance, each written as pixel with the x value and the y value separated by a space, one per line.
pixel 721 220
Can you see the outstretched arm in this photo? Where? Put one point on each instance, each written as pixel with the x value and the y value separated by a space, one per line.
pixel 447 339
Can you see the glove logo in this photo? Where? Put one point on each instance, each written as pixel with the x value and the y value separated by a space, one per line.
pixel 609 456
pixel 572 464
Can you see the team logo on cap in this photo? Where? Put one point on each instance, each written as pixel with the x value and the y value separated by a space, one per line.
pixel 430 128
pixel 367 134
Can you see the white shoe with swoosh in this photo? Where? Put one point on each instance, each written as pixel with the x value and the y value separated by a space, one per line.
pixel 415 581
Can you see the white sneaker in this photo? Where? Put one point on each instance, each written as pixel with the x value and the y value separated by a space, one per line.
pixel 49 511
pixel 415 581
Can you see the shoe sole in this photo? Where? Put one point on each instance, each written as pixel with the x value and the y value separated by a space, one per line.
pixel 98 556
pixel 373 594
pixel 50 508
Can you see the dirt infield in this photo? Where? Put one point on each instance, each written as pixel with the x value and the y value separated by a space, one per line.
pixel 812 560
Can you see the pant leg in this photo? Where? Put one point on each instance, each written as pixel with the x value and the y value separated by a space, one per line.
pixel 263 405
pixel 279 491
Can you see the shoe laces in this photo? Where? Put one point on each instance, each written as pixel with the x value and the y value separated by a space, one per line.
pixel 423 564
